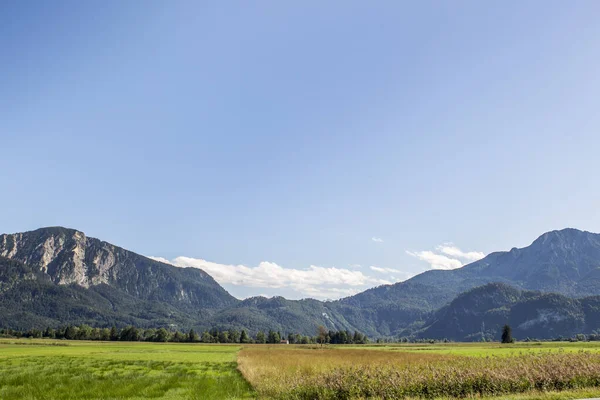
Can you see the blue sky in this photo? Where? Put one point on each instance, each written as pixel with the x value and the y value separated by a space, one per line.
pixel 303 149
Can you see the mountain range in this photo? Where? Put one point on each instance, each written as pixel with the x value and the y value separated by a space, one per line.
pixel 57 276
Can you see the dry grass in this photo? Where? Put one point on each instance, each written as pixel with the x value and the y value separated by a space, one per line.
pixel 278 372
pixel 357 374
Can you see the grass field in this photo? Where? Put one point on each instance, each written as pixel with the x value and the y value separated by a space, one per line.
pixel 40 369
pixel 483 349
pixel 36 369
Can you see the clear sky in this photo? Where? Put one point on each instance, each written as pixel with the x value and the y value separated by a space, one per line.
pixel 301 148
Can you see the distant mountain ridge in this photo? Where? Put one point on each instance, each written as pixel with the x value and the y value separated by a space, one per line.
pixel 56 276
pixel 558 261
pixel 565 261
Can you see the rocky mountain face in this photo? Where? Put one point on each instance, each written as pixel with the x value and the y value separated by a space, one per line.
pixel 68 257
pixel 28 299
pixel 58 252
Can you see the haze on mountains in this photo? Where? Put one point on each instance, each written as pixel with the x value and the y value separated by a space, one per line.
pixel 57 276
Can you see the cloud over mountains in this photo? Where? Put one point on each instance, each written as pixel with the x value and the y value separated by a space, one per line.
pixel 323 282
pixel 314 281
pixel 446 256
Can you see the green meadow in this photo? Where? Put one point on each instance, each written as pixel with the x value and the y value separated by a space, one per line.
pixel 53 370
pixel 60 369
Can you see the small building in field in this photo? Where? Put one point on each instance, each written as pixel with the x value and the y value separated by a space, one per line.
pixel 284 342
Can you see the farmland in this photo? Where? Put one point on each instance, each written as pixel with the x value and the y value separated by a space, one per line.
pixel 36 369
pixel 41 369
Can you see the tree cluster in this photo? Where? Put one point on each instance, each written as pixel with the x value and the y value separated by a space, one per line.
pixel 133 334
pixel 339 337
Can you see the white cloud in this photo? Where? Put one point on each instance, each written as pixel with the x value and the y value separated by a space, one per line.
pixel 160 259
pixel 313 281
pixel 398 276
pixel 377 239
pixel 453 251
pixel 437 261
pixel 332 293
pixel 385 270
pixel 451 257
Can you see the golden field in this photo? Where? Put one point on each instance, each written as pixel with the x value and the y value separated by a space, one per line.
pixel 397 373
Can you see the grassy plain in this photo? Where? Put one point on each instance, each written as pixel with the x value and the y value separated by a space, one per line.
pixel 55 370
pixel 43 369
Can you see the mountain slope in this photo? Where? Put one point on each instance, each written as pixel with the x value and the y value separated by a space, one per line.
pixel 558 261
pixel 389 309
pixel 29 299
pixel 279 314
pixel 68 257
pixel 481 312
pixel 56 276
pixel 565 261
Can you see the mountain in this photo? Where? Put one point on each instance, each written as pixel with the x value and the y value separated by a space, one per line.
pixel 565 262
pixel 57 276
pixel 279 314
pixel 388 310
pixel 29 299
pixel 558 261
pixel 68 257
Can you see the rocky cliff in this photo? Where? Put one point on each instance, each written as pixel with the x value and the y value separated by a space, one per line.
pixel 69 257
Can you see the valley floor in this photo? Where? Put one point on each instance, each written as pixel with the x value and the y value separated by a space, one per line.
pixel 44 369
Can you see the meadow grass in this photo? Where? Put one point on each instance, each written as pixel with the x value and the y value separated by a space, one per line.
pixel 54 370
pixel 482 349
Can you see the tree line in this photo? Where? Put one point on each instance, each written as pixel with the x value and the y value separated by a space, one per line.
pixel 133 334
